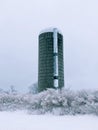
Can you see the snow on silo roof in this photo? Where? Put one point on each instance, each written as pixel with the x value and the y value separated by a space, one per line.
pixel 50 30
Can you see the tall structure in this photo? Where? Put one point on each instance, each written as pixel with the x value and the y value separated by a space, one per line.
pixel 51 66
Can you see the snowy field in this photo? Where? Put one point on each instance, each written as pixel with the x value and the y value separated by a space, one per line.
pixel 23 121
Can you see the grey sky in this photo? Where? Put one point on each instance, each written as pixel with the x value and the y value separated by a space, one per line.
pixel 20 23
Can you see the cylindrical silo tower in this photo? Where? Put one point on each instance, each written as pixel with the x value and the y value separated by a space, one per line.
pixel 51 64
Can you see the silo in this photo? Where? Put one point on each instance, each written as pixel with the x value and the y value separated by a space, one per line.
pixel 51 64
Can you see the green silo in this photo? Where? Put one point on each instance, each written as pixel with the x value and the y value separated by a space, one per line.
pixel 51 64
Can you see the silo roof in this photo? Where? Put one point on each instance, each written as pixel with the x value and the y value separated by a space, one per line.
pixel 50 30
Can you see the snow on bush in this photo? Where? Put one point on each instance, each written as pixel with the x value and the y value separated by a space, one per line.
pixel 62 102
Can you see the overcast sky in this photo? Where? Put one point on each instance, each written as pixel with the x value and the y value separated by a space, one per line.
pixel 20 24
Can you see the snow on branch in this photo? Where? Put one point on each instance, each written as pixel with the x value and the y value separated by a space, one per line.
pixel 63 102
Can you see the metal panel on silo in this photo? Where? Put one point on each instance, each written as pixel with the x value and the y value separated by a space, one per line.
pixel 49 60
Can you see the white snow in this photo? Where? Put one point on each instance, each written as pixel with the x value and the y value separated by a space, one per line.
pixel 23 121
pixel 51 29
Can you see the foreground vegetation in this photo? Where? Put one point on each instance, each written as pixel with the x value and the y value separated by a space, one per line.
pixel 64 102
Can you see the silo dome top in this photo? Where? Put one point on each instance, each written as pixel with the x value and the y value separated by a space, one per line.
pixel 50 30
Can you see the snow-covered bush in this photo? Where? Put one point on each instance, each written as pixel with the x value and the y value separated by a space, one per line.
pixel 62 102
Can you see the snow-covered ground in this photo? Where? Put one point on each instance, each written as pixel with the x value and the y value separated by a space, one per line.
pixel 23 121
